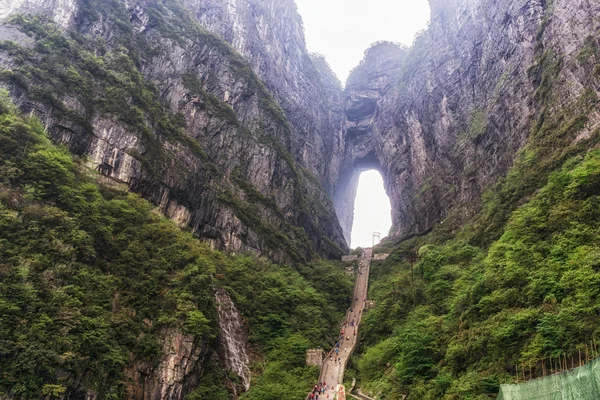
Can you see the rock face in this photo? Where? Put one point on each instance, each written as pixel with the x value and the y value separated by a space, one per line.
pixel 270 35
pixel 446 121
pixel 177 373
pixel 243 173
pixel 233 338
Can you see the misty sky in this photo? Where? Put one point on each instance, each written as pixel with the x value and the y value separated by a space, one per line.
pixel 343 29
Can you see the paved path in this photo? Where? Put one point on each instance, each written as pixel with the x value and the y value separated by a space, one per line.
pixel 332 372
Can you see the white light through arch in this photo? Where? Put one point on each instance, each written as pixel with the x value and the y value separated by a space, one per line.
pixel 372 210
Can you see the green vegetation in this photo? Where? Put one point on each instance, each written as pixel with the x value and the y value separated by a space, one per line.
pixel 478 126
pixel 471 315
pixel 84 77
pixel 102 81
pixel 457 310
pixel 91 278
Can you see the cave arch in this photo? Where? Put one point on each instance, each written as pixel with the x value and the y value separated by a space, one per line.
pixel 363 142
pixel 347 190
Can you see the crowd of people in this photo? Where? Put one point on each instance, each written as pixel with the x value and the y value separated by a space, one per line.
pixel 319 389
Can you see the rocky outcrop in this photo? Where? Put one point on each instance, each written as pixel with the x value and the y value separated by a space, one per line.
pixel 176 374
pixel 61 11
pixel 231 164
pixel 180 366
pixel 233 338
pixel 466 97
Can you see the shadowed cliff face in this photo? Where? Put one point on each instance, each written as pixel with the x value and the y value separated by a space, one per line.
pixel 197 132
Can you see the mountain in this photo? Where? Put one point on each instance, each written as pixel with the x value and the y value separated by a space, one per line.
pixel 156 101
pixel 444 120
pixel 216 113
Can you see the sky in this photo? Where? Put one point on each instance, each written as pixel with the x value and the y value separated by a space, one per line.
pixel 342 30
pixel 372 210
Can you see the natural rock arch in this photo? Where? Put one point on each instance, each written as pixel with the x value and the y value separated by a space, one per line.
pixel 364 92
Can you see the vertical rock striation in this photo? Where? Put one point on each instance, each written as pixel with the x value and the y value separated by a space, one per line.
pixel 177 372
pixel 231 164
pixel 232 335
pixel 270 35
pixel 462 102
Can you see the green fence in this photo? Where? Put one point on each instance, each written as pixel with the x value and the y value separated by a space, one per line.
pixel 581 383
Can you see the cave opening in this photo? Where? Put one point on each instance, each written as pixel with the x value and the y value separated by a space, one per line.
pixel 372 210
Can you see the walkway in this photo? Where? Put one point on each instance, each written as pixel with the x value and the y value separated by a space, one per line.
pixel 332 372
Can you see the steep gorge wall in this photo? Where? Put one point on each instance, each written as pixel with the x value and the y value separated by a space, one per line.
pixel 200 136
pixel 467 96
pixel 270 35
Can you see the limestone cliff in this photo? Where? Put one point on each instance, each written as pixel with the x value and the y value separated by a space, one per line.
pixel 270 35
pixel 181 117
pixel 445 122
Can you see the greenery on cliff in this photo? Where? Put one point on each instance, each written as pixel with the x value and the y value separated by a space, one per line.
pixel 91 277
pixel 82 77
pixel 458 311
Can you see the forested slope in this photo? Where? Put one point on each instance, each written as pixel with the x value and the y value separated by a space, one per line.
pixel 93 280
pixel 157 102
pixel 460 309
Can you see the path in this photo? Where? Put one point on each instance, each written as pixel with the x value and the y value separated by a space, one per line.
pixel 333 372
